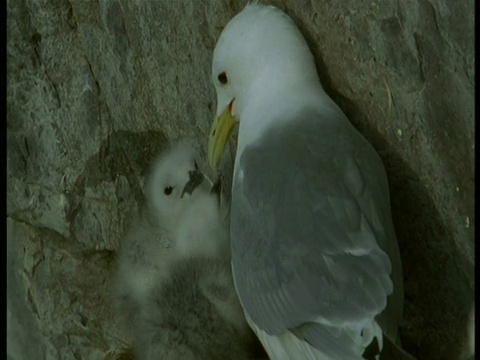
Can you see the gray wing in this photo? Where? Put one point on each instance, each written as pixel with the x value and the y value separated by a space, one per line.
pixel 308 214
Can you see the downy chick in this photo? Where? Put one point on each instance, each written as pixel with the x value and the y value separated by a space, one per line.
pixel 174 286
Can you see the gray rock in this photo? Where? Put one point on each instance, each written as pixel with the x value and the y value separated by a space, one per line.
pixel 97 89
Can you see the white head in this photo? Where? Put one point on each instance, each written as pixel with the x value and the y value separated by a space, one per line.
pixel 182 202
pixel 173 182
pixel 260 44
pixel 260 51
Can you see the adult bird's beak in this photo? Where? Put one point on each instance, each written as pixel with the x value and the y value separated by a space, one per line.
pixel 219 133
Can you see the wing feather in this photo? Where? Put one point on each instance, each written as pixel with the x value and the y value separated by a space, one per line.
pixel 307 227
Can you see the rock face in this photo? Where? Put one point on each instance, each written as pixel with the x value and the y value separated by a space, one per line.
pixel 97 89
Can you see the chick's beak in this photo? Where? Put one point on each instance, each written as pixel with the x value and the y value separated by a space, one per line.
pixel 196 178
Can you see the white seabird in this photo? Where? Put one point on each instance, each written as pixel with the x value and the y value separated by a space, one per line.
pixel 315 258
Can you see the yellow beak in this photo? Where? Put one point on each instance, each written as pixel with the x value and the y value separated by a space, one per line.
pixel 219 133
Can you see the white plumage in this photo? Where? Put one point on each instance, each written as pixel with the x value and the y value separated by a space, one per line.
pixel 315 259
pixel 174 288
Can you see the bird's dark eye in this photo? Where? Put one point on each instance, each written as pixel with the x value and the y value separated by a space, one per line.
pixel 168 190
pixel 222 78
pixel 196 166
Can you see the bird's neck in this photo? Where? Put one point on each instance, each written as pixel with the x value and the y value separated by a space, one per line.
pixel 269 105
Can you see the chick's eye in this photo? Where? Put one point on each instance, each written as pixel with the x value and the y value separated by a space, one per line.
pixel 168 190
pixel 222 78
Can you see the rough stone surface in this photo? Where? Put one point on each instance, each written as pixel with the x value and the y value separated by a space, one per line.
pixel 97 88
